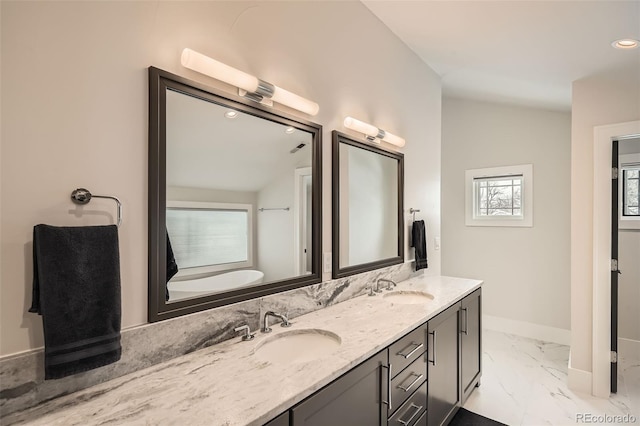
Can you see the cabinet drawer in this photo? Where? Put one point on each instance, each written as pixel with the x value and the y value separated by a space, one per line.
pixel 409 413
pixel 422 421
pixel 407 381
pixel 408 349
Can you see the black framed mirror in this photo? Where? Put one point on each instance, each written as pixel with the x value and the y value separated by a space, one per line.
pixel 368 202
pixel 234 198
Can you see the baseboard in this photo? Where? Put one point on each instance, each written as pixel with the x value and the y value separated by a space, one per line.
pixel 579 380
pixel 527 329
pixel 628 348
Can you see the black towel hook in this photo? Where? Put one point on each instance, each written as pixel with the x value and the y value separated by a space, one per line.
pixel 83 196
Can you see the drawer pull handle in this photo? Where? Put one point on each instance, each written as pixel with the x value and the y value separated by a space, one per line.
pixel 466 321
pixel 433 348
pixel 388 402
pixel 417 346
pixel 415 413
pixel 418 378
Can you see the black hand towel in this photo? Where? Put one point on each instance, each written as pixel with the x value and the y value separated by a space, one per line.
pixel 172 266
pixel 419 239
pixel 76 289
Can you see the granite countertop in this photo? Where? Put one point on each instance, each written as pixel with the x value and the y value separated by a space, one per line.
pixel 226 384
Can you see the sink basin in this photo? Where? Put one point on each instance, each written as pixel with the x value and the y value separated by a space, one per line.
pixel 408 297
pixel 297 346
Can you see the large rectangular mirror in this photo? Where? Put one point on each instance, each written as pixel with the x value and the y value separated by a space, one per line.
pixel 234 198
pixel 367 185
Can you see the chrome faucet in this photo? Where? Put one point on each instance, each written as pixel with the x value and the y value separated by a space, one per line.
pixel 375 288
pixel 266 328
pixel 390 283
pixel 247 332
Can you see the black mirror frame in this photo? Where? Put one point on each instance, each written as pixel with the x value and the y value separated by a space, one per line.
pixel 338 272
pixel 158 308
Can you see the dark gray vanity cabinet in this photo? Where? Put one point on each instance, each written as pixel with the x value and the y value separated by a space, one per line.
pixel 353 399
pixel 281 420
pixel 470 353
pixel 443 381
pixel 407 387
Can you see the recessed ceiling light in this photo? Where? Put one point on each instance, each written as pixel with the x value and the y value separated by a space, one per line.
pixel 231 114
pixel 289 130
pixel 625 43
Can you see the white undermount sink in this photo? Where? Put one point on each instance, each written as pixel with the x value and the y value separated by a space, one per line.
pixel 408 297
pixel 297 346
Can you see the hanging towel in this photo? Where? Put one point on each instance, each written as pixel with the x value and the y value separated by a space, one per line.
pixel 419 239
pixel 76 289
pixel 172 267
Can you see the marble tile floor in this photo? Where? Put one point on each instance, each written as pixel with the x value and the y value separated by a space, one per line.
pixel 524 382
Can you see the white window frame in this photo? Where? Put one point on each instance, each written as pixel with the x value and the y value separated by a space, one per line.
pixel 524 220
pixel 626 222
pixel 200 270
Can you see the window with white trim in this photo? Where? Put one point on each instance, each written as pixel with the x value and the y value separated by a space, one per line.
pixel 628 197
pixel 499 196
pixel 630 184
pixel 210 237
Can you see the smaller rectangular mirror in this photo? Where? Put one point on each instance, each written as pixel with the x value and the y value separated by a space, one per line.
pixel 368 187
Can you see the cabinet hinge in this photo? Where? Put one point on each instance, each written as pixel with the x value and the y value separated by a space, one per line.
pixel 614 265
pixel 614 357
pixel 614 173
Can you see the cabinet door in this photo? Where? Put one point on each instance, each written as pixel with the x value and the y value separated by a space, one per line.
pixel 354 399
pixel 470 314
pixel 281 420
pixel 443 380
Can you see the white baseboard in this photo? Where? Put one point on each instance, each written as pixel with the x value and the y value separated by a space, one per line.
pixel 628 348
pixel 579 380
pixel 527 329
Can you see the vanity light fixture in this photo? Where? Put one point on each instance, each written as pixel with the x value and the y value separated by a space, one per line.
pixel 625 43
pixel 248 86
pixel 372 132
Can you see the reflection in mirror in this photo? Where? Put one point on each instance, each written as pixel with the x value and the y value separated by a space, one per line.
pixel 367 206
pixel 240 211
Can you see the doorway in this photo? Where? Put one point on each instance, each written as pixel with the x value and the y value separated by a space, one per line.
pixel 602 244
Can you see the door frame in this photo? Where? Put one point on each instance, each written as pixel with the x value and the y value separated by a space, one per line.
pixel 299 219
pixel 601 325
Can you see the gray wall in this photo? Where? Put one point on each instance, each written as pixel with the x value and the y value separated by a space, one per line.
pixel 602 99
pixel 75 106
pixel 526 270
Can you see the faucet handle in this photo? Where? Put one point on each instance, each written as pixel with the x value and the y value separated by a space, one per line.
pixel 285 321
pixel 247 332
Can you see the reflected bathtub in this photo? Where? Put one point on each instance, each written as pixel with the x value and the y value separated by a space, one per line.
pixel 215 284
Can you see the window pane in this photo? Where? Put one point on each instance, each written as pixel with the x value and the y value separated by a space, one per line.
pixel 201 237
pixel 499 196
pixel 631 184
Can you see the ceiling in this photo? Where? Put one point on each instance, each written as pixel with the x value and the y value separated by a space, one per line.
pixel 521 52
pixel 209 151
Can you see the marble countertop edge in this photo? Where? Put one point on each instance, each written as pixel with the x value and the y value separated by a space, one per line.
pixel 227 384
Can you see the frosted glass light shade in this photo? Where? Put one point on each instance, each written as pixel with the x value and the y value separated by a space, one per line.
pixel 393 139
pixel 372 131
pixel 208 66
pixel 292 100
pixel 361 126
pixel 216 69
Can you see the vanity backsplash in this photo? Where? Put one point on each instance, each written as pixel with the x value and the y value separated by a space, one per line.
pixel 22 382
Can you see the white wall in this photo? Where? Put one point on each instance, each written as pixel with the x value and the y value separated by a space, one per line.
pixel 75 113
pixel 607 98
pixel 526 270
pixel 276 228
